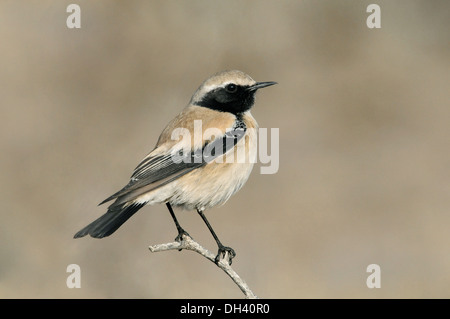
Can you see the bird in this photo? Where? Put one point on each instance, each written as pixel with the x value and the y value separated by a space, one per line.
pixel 191 172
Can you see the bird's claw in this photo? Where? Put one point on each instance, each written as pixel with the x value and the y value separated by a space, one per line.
pixel 222 252
pixel 179 238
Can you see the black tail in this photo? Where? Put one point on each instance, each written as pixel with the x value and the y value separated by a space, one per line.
pixel 108 223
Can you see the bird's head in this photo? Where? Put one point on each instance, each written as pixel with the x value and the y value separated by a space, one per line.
pixel 228 91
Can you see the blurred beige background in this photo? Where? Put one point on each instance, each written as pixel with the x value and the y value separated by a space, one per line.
pixel 364 171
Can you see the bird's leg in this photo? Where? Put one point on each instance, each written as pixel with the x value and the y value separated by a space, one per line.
pixel 222 249
pixel 181 231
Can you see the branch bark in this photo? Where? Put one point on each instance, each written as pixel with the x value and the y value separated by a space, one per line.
pixel 189 244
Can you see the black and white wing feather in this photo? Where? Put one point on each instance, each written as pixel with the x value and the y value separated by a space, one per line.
pixel 159 170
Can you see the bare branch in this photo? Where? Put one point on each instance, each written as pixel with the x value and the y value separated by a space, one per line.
pixel 189 244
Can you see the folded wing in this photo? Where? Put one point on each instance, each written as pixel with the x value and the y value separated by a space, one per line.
pixel 158 170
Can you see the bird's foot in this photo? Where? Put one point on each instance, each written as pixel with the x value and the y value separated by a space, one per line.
pixel 181 233
pixel 223 252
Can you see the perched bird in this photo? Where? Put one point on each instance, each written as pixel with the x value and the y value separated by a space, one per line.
pixel 192 172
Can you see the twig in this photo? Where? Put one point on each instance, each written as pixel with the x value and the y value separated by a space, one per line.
pixel 189 244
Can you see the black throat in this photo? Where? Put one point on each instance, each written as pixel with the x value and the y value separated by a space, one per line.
pixel 221 100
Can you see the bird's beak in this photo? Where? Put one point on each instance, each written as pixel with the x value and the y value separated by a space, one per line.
pixel 259 85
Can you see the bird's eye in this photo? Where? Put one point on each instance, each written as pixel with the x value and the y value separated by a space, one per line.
pixel 231 88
